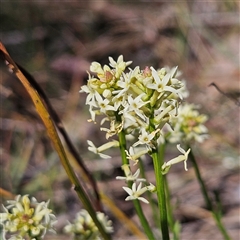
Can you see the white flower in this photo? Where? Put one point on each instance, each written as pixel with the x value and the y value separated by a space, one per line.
pixel 96 67
pixel 130 120
pixel 104 147
pixel 103 103
pixel 136 192
pixel 165 112
pixel 161 85
pixel 115 128
pixel 125 81
pixel 119 100
pixel 90 94
pixel 151 188
pixel 134 105
pixel 180 158
pixel 135 153
pixel 119 62
pixel 107 224
pixel 120 65
pixel 146 138
pixel 129 176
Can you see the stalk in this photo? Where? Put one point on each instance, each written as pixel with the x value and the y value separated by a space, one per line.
pixel 150 198
pixel 171 220
pixel 215 212
pixel 157 157
pixel 137 206
pixel 161 194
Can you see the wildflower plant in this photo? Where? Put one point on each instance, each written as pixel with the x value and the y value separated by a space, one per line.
pixel 145 109
pixel 137 104
pixel 26 218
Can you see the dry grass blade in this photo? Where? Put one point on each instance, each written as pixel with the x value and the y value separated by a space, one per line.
pixel 84 170
pixel 43 113
pixel 41 109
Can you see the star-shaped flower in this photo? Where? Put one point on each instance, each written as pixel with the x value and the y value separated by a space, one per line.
pixel 161 85
pixel 129 176
pixel 98 150
pixel 103 103
pixel 166 166
pixel 146 138
pixel 136 192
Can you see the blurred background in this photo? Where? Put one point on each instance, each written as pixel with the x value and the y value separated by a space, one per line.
pixel 56 41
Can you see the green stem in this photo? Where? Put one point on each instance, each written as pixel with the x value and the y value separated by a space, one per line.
pixel 157 157
pixel 161 194
pixel 138 208
pixel 152 202
pixel 216 213
pixel 168 199
pixel 143 220
pixel 123 147
pixel 174 225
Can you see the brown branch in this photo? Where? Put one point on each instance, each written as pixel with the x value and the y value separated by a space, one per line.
pixel 234 96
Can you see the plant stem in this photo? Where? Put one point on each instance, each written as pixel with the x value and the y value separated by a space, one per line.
pixel 161 194
pixel 143 220
pixel 174 225
pixel 157 157
pixel 152 201
pixel 123 147
pixel 138 208
pixel 171 220
pixel 216 213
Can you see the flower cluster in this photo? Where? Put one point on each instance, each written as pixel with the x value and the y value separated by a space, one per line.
pixel 188 125
pixel 26 217
pixel 84 228
pixel 140 102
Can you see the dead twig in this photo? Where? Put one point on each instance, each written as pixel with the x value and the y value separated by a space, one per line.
pixel 234 95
